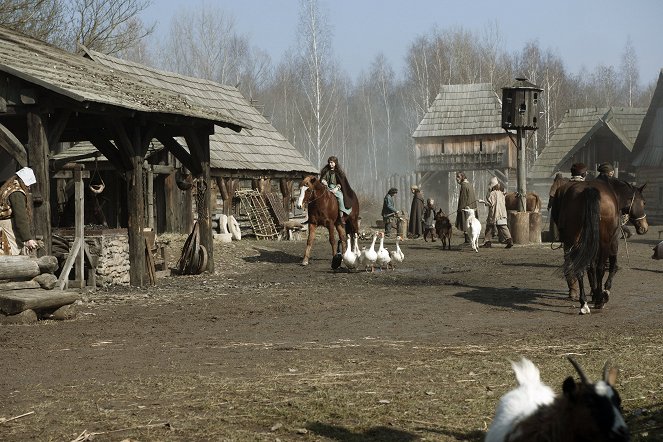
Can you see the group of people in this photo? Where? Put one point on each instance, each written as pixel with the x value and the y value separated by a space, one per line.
pixel 422 215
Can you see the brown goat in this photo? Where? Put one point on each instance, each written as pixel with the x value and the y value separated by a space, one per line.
pixel 443 229
pixel 584 412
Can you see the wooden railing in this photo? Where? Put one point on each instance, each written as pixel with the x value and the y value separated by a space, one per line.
pixel 452 162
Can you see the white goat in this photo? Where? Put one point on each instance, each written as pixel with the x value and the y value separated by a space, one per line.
pixel 584 412
pixel 473 228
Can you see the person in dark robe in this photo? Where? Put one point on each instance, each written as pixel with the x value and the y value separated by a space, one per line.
pixel 333 176
pixel 466 198
pixel 415 227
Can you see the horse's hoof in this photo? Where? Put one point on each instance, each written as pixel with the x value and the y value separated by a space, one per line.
pixel 584 310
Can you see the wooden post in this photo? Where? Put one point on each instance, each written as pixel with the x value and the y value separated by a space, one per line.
pixel 522 171
pixel 136 222
pixel 79 226
pixel 204 213
pixel 149 196
pixel 38 151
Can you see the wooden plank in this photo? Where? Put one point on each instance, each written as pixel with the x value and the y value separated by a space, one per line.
pixel 16 301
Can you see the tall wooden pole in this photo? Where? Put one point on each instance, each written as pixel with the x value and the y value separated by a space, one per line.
pixel 522 170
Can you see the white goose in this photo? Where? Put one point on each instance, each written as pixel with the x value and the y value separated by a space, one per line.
pixel 369 256
pixel 349 257
pixel 383 254
pixel 397 255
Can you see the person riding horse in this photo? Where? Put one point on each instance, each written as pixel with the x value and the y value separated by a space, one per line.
pixel 334 178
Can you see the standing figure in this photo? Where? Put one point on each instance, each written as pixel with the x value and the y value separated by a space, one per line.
pixel 578 172
pixel 415 226
pixel 606 171
pixel 466 198
pixel 496 221
pixel 16 214
pixel 333 177
pixel 429 219
pixel 389 212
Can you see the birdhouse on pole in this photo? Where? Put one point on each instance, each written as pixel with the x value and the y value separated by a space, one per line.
pixel 520 112
pixel 520 105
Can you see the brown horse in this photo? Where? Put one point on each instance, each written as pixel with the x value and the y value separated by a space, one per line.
pixel 512 201
pixel 588 215
pixel 323 211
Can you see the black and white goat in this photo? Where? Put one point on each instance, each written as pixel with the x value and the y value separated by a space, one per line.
pixel 584 412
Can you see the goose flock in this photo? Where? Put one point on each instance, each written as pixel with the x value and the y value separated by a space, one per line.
pixel 368 258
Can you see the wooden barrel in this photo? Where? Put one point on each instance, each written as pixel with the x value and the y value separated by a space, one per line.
pixel 519 226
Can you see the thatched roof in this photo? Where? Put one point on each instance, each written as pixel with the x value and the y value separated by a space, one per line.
pixel 648 148
pixel 258 148
pixel 90 84
pixel 577 128
pixel 462 109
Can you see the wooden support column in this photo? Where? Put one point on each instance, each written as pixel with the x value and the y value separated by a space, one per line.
pixel 149 196
pixel 136 222
pixel 198 142
pixel 204 212
pixel 285 185
pixel 38 151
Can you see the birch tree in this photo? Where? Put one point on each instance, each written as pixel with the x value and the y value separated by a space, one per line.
pixel 629 72
pixel 318 81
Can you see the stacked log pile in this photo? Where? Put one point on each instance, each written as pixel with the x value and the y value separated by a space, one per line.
pixel 26 290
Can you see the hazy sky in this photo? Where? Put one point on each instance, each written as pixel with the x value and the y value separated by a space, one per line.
pixel 582 32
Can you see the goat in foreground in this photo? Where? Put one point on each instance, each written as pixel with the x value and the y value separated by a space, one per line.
pixel 584 412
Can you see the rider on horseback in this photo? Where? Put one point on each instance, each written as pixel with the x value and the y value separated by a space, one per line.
pixel 334 178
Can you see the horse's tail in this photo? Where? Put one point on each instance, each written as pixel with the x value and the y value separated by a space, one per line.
pixel 537 203
pixel 583 253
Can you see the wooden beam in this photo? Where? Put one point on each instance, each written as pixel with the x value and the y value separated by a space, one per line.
pixel 58 126
pixel 117 157
pixel 38 151
pixel 179 152
pixel 14 147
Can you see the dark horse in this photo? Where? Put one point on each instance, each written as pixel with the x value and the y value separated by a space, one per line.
pixel 588 215
pixel 323 211
pixel 512 201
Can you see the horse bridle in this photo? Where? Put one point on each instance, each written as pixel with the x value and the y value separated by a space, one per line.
pixel 627 216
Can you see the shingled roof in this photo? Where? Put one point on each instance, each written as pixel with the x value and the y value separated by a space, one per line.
pixel 462 109
pixel 257 148
pixel 86 82
pixel 648 148
pixel 577 128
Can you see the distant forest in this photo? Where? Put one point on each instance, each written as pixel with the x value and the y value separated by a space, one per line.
pixel 366 121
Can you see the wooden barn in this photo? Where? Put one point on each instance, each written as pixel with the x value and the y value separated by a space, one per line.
pixel 591 136
pixel 258 157
pixel 462 131
pixel 51 96
pixel 648 155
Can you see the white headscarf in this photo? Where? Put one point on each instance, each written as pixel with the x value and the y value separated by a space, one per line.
pixel 27 176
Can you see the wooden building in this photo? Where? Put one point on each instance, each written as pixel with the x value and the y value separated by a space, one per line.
pixel 258 156
pixel 591 136
pixel 462 131
pixel 648 155
pixel 49 96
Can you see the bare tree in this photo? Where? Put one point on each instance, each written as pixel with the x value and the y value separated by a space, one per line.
pixel 630 72
pixel 108 26
pixel 42 19
pixel 318 79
